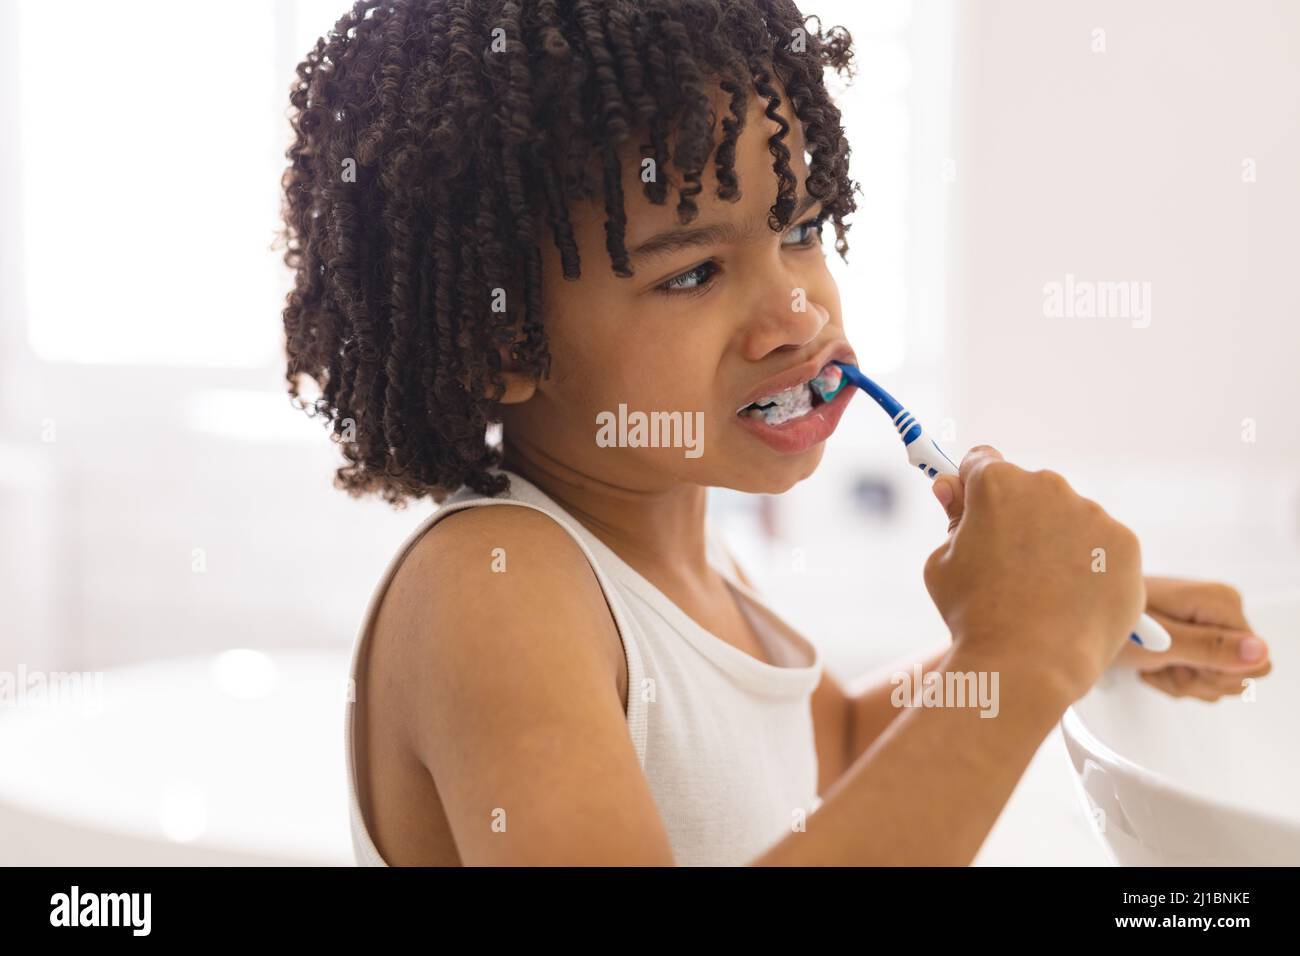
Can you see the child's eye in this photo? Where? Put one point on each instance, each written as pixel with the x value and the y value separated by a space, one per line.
pixel 808 241
pixel 677 285
pixel 681 284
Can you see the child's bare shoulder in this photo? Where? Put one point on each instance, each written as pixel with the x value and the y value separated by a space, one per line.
pixel 489 543
pixel 492 580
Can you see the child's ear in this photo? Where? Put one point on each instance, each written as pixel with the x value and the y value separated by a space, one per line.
pixel 520 386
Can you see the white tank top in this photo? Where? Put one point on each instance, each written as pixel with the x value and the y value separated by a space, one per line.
pixel 724 739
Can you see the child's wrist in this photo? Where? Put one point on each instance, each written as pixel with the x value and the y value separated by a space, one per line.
pixel 1027 685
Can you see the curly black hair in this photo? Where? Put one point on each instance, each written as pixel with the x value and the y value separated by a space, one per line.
pixel 434 140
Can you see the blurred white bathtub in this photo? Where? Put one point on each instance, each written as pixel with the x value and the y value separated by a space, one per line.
pixel 232 759
pixel 1173 782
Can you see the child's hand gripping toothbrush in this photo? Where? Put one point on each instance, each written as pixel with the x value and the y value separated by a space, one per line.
pixel 924 452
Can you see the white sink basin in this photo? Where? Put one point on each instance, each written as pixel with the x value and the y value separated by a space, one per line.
pixel 233 759
pixel 1179 782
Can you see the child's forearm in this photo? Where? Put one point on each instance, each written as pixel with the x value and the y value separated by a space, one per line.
pixel 932 784
pixel 871 707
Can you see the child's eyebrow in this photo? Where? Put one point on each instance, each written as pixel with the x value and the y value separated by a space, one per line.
pixel 675 240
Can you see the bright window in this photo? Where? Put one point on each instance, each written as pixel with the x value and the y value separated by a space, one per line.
pixel 150 157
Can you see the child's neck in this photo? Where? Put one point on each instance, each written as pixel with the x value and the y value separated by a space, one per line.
pixel 660 533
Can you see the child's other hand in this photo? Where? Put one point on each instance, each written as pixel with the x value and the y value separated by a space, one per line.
pixel 1214 649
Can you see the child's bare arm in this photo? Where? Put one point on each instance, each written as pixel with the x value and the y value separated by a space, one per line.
pixel 870 698
pixel 846 721
pixel 514 697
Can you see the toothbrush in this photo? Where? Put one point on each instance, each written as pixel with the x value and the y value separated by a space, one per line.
pixel 924 452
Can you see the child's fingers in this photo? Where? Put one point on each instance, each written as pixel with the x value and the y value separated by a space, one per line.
pixel 1177 681
pixel 1174 681
pixel 1208 646
pixel 1181 680
pixel 1198 602
pixel 952 495
pixel 951 489
pixel 977 458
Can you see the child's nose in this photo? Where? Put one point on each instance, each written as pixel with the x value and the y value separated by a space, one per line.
pixel 794 323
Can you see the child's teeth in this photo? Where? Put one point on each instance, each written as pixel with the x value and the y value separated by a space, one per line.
pixel 782 397
pixel 798 400
pixel 782 406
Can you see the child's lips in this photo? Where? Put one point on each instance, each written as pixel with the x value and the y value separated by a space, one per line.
pixel 802 433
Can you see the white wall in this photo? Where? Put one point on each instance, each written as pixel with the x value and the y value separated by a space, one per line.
pixel 1132 164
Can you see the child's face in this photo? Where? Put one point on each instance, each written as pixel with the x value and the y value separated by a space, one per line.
pixel 749 310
